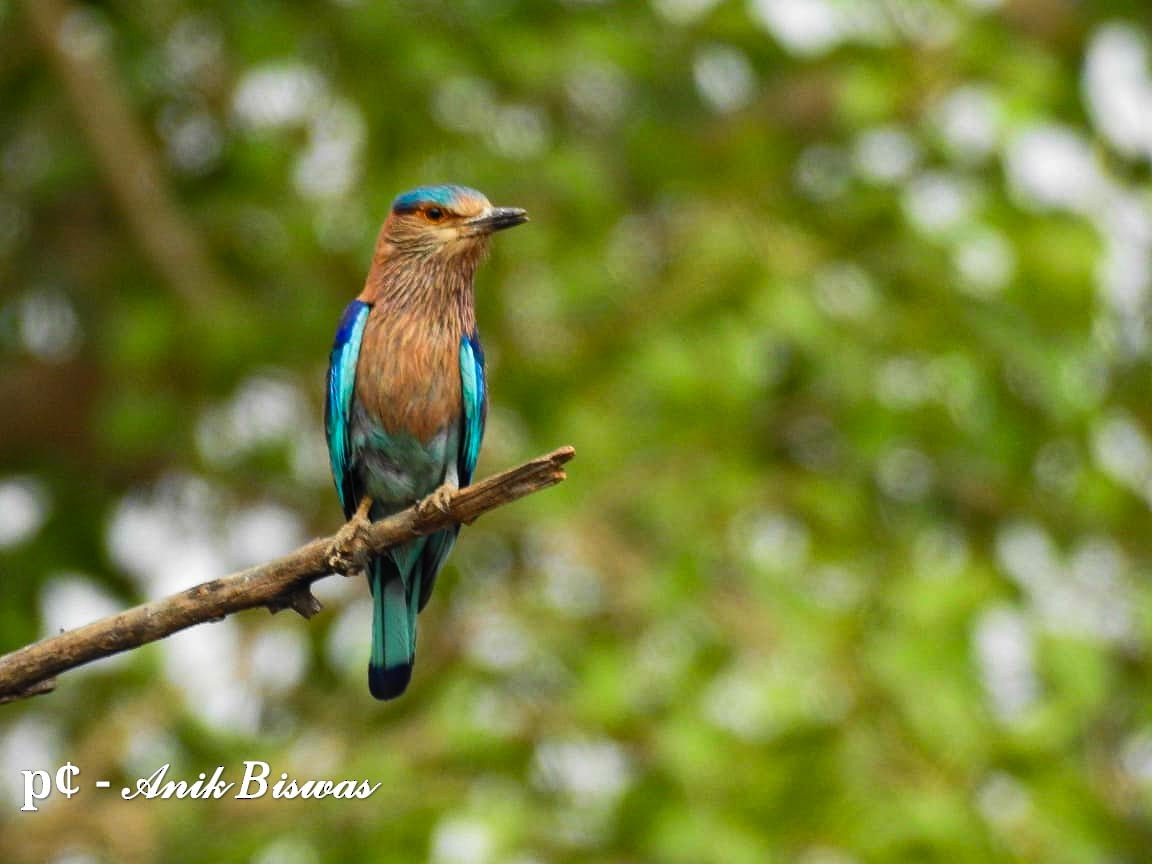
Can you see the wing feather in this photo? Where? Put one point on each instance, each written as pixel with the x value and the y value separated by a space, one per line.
pixel 338 403
pixel 475 397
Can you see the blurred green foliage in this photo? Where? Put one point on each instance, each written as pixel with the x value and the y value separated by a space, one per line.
pixel 845 308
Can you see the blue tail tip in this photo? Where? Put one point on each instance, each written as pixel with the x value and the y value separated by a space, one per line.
pixel 390 682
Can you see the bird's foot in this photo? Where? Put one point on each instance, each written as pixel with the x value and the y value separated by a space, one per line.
pixel 438 500
pixel 346 554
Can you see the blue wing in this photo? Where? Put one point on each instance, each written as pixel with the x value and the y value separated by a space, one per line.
pixel 475 395
pixel 338 404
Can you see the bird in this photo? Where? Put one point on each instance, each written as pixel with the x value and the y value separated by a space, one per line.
pixel 407 399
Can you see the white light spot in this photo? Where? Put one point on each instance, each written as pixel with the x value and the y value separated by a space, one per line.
pixel 204 664
pixel 804 27
pixel 1118 89
pixel 330 166
pixel 1122 450
pixel 83 33
pixel 350 636
pixel 266 409
pixel 75 855
pixel 194 140
pixel 845 291
pixel 984 261
pixel 320 751
pixel 776 542
pixel 937 202
pixel 23 509
pixel 1125 274
pixel 48 325
pixel 1136 756
pixel 736 701
pixel 683 11
pixel 275 96
pixel 837 586
pixel 166 537
pixel 1003 642
pixel 1003 800
pixel 1098 597
pixel 886 154
pixel 1053 167
pixel 194 49
pixel 496 714
pixel 583 770
pixel 757 698
pixel 569 584
pixel 1124 218
pixel 1089 596
pixel 969 120
pixel 261 532
pixel 1026 552
pixel 724 77
pixel 497 641
pixel 30 743
pixel 904 382
pixel 287 850
pixel 278 658
pixel 70 600
pixel 462 840
pixel 149 746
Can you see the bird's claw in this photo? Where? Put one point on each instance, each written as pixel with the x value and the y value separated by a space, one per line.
pixel 346 554
pixel 440 500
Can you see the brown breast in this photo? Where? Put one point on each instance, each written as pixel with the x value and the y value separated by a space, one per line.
pixel 408 374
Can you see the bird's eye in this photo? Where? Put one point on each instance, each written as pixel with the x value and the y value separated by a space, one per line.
pixel 434 214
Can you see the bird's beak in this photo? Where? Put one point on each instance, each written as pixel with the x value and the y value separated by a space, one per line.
pixel 496 219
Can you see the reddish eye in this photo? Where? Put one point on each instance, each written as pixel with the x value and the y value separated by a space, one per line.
pixel 434 214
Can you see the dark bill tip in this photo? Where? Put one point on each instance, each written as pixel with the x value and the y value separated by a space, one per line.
pixel 499 218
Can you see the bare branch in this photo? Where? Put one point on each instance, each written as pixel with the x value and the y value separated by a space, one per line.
pixel 279 584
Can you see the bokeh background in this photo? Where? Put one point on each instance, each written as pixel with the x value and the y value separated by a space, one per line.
pixel 843 304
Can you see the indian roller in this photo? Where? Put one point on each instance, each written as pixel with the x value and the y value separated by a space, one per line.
pixel 407 400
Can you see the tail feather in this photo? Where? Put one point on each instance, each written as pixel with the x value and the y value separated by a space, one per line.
pixel 401 581
pixel 393 632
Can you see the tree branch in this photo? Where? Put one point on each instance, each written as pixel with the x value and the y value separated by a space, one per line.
pixel 279 584
pixel 80 57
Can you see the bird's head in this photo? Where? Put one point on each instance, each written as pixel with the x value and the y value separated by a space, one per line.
pixel 445 220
